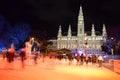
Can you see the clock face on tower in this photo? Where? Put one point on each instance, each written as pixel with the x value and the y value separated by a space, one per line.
pixel 80 22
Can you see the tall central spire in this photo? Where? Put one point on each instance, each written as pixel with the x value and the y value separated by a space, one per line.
pixel 80 23
pixel 80 17
pixel 81 11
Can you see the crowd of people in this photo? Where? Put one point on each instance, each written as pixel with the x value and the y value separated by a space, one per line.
pixel 85 58
pixel 9 55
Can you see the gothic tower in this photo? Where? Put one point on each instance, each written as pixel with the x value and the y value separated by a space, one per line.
pixel 80 23
pixel 59 32
pixel 80 33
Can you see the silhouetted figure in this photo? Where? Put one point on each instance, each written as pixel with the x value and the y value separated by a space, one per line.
pixel 70 58
pixel 78 59
pixel 22 56
pixel 4 54
pixel 82 59
pixel 86 58
pixel 35 56
pixel 100 60
pixel 93 57
pixel 10 55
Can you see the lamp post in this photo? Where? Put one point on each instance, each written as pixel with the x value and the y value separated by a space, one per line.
pixel 113 42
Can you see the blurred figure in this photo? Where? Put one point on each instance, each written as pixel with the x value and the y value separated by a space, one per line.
pixel 23 56
pixel 86 58
pixel 70 58
pixel 35 56
pixel 82 59
pixel 4 54
pixel 28 47
pixel 10 55
pixel 93 57
pixel 78 59
pixel 100 60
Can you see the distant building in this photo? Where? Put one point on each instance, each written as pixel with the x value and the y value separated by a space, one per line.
pixel 81 42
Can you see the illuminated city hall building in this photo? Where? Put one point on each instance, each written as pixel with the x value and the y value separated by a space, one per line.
pixel 81 42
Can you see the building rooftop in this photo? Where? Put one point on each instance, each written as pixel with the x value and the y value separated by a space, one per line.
pixel 98 33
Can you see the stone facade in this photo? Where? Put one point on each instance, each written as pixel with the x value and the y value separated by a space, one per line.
pixel 82 42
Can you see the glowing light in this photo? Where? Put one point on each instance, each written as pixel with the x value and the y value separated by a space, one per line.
pixel 80 52
pixel 32 38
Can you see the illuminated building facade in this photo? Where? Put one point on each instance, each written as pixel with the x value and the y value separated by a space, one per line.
pixel 81 41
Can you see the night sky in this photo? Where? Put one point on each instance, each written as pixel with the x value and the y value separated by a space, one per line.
pixel 45 16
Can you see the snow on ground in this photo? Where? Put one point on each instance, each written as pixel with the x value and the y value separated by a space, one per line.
pixel 55 70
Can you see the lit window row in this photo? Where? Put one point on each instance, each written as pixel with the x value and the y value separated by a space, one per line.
pixel 98 38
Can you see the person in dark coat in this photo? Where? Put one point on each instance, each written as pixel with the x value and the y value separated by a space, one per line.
pixel 93 58
pixel 82 59
pixel 10 55
pixel 78 59
pixel 22 55
pixel 70 58
pixel 86 58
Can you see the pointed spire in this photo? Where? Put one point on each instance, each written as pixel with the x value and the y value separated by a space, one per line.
pixel 80 11
pixel 80 16
pixel 93 30
pixel 69 31
pixel 80 22
pixel 104 33
pixel 59 32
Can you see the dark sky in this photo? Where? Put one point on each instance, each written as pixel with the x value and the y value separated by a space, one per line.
pixel 47 15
